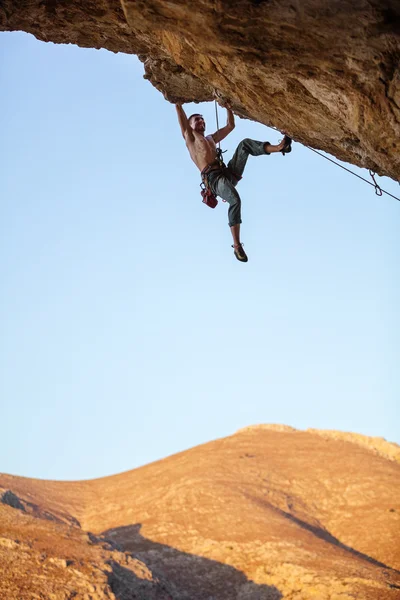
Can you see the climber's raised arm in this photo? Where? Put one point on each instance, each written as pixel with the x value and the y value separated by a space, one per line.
pixel 183 121
pixel 230 126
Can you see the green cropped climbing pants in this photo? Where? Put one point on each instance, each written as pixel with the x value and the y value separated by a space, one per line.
pixel 223 182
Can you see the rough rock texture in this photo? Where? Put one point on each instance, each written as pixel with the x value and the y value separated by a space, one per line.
pixel 325 72
pixel 49 561
pixel 269 513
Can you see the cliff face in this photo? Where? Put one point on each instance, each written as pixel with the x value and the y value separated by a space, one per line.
pixel 327 73
pixel 266 514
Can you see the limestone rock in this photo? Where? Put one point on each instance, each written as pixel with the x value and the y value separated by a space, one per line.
pixel 376 444
pixel 268 513
pixel 327 73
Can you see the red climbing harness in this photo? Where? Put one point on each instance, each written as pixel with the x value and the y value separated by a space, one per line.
pixel 208 197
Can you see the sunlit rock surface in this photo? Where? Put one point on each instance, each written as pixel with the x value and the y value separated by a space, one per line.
pixel 269 513
pixel 327 73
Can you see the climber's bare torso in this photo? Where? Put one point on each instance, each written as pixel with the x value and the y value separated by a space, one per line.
pixel 202 149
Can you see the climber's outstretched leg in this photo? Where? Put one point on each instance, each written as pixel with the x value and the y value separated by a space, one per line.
pixel 247 146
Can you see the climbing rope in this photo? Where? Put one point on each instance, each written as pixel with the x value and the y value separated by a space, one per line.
pixel 216 117
pixel 219 151
pixel 378 190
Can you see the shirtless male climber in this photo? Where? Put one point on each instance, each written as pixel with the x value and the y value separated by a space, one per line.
pixel 221 179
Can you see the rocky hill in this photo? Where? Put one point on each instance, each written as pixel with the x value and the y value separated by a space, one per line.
pixel 266 514
pixel 327 73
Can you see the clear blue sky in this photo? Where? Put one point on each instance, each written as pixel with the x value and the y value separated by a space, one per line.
pixel 129 331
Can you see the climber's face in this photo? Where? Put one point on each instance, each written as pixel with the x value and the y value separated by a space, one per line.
pixel 198 124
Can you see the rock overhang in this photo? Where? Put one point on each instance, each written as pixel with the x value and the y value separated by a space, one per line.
pixel 325 73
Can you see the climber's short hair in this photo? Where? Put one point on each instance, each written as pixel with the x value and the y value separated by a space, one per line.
pixel 194 115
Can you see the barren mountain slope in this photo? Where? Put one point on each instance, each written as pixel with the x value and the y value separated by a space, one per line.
pixel 267 513
pixel 327 73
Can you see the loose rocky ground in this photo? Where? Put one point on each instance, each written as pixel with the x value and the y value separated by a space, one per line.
pixel 266 514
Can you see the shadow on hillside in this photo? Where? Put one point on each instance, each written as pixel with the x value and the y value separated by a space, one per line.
pixel 323 534
pixel 328 537
pixel 186 576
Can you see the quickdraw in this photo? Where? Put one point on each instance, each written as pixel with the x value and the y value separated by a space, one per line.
pixel 220 157
pixel 378 189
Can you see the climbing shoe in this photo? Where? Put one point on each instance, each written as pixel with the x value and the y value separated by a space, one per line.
pixel 287 145
pixel 240 253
